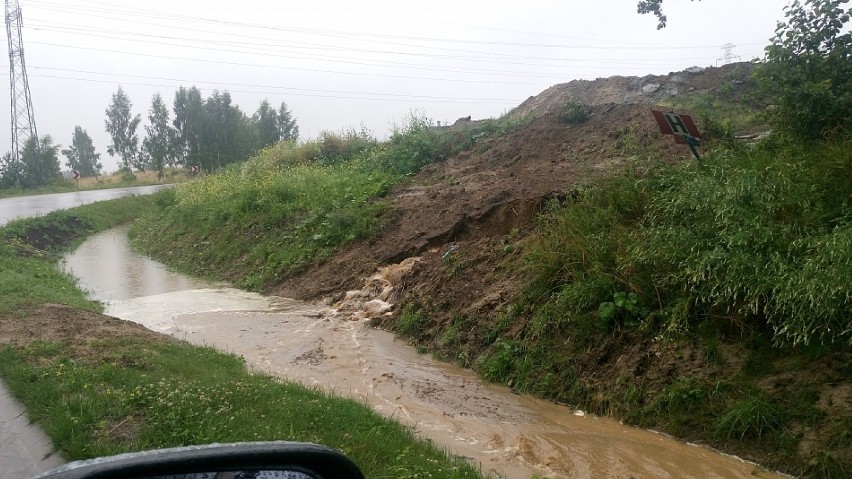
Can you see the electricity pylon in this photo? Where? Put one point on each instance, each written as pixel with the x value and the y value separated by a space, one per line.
pixel 23 123
pixel 728 55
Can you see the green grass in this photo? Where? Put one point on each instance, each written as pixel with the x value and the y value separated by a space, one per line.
pixel 749 418
pixel 761 235
pixel 143 395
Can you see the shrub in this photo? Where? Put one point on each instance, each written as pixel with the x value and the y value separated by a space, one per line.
pixel 573 112
pixel 774 244
pixel 809 70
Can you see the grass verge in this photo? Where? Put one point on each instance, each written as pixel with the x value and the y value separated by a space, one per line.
pixel 135 394
pixel 96 391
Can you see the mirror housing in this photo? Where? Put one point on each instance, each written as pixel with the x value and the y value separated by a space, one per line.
pixel 311 460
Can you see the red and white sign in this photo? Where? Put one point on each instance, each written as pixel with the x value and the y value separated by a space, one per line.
pixel 75 174
pixel 681 126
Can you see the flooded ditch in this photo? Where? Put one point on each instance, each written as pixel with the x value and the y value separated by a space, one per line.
pixel 510 435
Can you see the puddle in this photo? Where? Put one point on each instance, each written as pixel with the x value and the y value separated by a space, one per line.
pixel 509 435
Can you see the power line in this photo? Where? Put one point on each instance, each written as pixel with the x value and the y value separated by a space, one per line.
pixel 135 13
pixel 344 97
pixel 315 70
pixel 312 46
pixel 250 85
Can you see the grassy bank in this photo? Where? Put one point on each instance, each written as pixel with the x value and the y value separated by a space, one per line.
pixel 710 300
pixel 103 386
pixel 257 223
pixel 30 248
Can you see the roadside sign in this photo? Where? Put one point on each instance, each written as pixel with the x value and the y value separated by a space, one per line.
pixel 196 168
pixel 681 126
pixel 75 174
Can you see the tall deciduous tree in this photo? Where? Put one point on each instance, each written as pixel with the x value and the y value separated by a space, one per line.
pixel 122 125
pixel 82 155
pixel 10 171
pixel 287 128
pixel 158 146
pixel 189 126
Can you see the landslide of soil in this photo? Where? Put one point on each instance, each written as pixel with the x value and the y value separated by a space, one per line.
pixel 479 207
pixel 502 184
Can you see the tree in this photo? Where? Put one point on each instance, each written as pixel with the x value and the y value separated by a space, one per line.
pixel 158 146
pixel 655 7
pixel 82 156
pixel 287 128
pixel 10 171
pixel 189 126
pixel 121 126
pixel 808 70
pixel 265 120
pixel 39 162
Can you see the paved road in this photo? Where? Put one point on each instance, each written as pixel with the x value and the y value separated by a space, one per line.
pixel 26 206
pixel 24 449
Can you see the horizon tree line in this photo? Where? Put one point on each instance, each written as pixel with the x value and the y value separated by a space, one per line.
pixel 205 132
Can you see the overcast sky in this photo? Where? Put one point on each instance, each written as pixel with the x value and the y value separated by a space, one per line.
pixel 342 63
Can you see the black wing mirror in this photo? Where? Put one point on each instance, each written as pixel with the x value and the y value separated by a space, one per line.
pixel 245 460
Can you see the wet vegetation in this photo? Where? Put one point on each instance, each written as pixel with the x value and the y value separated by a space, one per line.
pixel 137 394
pixel 293 204
pixel 30 248
pixel 99 396
pixel 709 299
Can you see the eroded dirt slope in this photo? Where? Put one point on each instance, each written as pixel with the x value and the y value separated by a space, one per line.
pixel 496 188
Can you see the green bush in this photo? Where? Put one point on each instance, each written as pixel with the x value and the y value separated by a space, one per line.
pixel 573 112
pixel 808 70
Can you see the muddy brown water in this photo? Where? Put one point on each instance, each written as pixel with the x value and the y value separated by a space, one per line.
pixel 509 435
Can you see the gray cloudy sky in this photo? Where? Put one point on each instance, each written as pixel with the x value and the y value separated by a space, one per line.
pixel 342 63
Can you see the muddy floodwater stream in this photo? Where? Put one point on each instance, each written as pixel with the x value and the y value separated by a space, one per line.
pixel 509 435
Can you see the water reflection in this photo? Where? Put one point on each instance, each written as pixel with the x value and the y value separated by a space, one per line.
pixel 110 270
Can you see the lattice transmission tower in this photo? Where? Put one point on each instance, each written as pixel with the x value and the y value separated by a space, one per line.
pixel 23 123
pixel 728 54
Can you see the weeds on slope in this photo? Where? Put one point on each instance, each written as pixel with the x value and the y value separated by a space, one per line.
pixel 762 235
pixel 753 243
pixel 291 205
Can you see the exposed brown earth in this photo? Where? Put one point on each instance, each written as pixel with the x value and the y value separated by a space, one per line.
pixel 469 214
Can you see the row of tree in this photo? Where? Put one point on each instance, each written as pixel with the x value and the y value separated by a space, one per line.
pixel 204 132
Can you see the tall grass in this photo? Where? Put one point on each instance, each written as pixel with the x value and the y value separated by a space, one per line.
pixel 759 234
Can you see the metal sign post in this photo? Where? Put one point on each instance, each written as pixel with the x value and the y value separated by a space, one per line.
pixel 681 126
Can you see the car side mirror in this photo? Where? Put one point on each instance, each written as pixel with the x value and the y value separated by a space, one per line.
pixel 246 460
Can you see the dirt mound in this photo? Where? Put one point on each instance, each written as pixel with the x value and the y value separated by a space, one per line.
pixel 501 185
pixel 647 90
pixel 498 187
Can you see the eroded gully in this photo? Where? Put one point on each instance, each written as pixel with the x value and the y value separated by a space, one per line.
pixel 509 435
